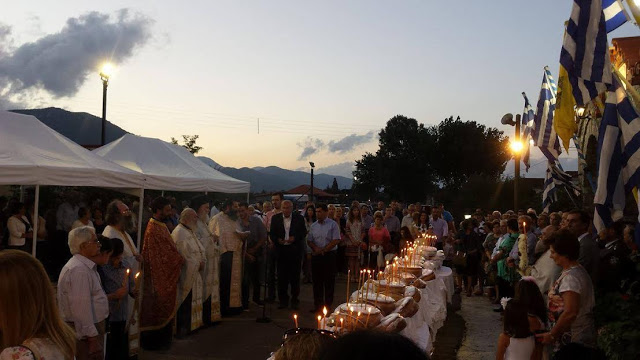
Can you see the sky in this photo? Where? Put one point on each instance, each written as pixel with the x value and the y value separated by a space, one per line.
pixel 320 78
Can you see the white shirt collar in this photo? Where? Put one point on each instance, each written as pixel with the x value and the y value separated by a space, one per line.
pixel 582 236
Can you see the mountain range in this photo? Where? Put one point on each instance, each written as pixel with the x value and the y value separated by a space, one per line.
pixel 84 129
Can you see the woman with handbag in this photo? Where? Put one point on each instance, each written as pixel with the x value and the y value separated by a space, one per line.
pixel 379 240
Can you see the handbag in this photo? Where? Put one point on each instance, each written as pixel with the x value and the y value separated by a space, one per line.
pixel 460 259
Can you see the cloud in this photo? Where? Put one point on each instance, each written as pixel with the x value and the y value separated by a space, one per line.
pixel 60 63
pixel 349 143
pixel 309 147
pixel 342 169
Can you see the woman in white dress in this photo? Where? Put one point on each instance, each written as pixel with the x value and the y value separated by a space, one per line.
pixel 30 325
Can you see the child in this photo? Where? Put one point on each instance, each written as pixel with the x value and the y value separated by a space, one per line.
pixel 117 288
pixel 517 340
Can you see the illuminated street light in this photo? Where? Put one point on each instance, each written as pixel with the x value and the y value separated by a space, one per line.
pixel 105 73
pixel 516 146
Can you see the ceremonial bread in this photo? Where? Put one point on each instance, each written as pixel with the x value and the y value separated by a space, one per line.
pixel 407 307
pixel 392 323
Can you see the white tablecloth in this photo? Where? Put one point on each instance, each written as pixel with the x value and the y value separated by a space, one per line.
pixel 423 326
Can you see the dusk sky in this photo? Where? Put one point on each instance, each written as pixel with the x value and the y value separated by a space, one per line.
pixel 314 73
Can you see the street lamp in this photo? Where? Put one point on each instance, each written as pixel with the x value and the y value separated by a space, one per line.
pixel 311 190
pixel 516 149
pixel 105 73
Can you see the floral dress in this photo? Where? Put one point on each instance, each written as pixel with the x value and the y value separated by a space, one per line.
pixel 33 349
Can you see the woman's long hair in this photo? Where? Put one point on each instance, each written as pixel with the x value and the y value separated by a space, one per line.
pixel 529 295
pixel 306 213
pixel 28 306
pixel 351 217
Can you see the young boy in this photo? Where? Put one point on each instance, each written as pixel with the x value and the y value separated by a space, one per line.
pixel 113 276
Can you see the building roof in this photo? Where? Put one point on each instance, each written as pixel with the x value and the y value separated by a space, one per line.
pixel 305 190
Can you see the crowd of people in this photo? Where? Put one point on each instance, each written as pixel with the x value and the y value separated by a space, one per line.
pixel 198 263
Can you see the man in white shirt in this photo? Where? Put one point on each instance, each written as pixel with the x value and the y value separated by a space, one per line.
pixel 407 220
pixel 81 299
pixel 440 227
pixel 578 222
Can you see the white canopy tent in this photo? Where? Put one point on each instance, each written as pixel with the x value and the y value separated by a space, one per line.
pixel 167 166
pixel 32 153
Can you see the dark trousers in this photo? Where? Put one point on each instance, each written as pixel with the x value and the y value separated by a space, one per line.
pixel 226 263
pixel 206 312
pixel 157 339
pixel 504 287
pixel 323 270
pixel 289 266
pixel 117 341
pixel 251 279
pixel 183 317
pixel 272 259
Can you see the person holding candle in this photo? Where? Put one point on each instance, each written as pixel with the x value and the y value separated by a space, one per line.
pixel 354 238
pixel 117 285
pixel 379 239
pixel 323 240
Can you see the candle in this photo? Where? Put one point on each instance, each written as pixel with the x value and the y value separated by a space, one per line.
pixel 324 318
pixel 366 324
pixel 295 320
pixel 348 280
pixel 355 324
pixel 342 323
pixel 319 322
pixel 358 294
pixel 524 226
pixel 125 281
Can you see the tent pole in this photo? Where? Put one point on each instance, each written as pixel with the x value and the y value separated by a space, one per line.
pixel 21 193
pixel 36 204
pixel 140 208
pixel 162 193
pixel 248 198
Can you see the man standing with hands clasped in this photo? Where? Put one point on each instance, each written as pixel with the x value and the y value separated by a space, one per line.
pixel 323 240
pixel 288 231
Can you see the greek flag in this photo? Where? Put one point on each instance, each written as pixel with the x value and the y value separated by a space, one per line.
pixel 614 14
pixel 555 176
pixel 618 156
pixel 544 135
pixel 585 52
pixel 528 117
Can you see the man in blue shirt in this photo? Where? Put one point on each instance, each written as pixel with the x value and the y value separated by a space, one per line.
pixel 323 240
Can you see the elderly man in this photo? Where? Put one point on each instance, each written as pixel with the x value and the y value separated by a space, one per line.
pixel 288 232
pixel 211 276
pixel 81 299
pixel 190 286
pixel 161 263
pixel 248 222
pixel 224 229
pixel 323 239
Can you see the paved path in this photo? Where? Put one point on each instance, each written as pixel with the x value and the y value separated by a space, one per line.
pixel 482 329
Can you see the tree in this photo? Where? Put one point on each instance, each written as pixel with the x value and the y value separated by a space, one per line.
pixel 414 161
pixel 467 148
pixel 189 143
pixel 334 187
pixel 401 166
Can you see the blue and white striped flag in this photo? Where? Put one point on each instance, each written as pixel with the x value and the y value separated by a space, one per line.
pixel 544 135
pixel 555 177
pixel 614 14
pixel 585 52
pixel 618 156
pixel 528 117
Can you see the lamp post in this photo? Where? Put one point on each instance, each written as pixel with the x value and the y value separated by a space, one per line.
pixel 106 71
pixel 516 149
pixel 311 190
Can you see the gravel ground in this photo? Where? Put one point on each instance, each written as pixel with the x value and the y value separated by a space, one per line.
pixel 483 326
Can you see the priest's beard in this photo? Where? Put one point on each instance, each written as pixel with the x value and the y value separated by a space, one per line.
pixel 204 217
pixel 233 214
pixel 126 224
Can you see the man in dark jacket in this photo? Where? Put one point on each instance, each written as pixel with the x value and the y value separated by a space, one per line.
pixel 288 232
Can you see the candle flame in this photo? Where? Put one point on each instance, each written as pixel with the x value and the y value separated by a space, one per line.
pixel 319 317
pixel 295 316
pixel 137 274
pixel 127 271
pixel 324 311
